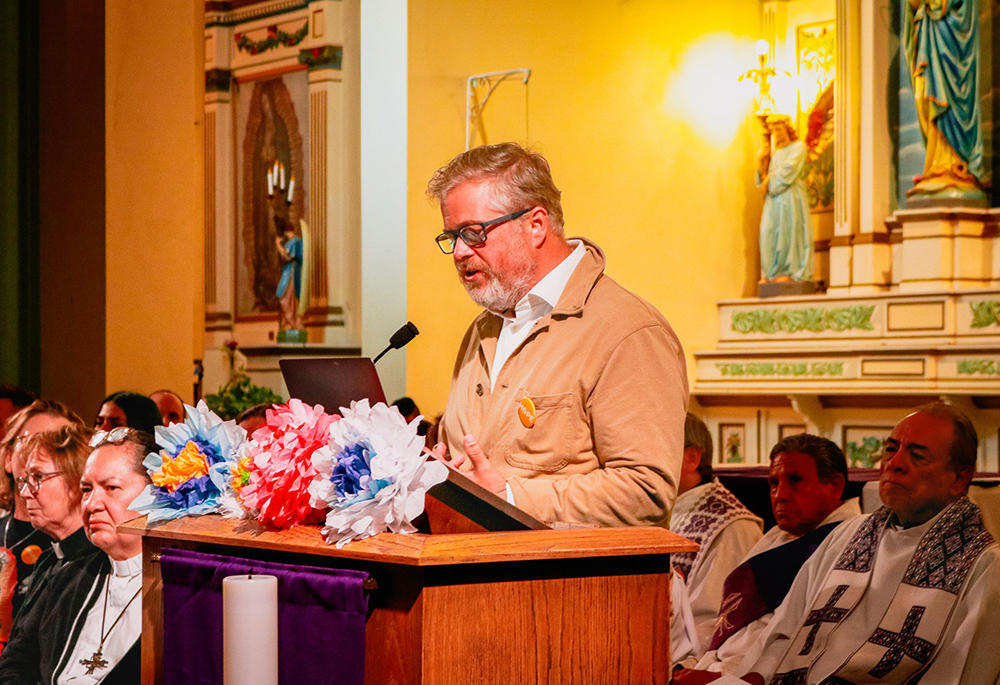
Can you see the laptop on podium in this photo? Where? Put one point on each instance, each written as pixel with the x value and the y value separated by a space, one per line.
pixel 333 382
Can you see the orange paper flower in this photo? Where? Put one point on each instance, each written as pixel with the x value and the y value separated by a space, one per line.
pixel 189 463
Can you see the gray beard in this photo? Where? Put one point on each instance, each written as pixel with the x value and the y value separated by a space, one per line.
pixel 501 294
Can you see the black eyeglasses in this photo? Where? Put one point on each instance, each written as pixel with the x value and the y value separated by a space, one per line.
pixel 474 235
pixel 34 481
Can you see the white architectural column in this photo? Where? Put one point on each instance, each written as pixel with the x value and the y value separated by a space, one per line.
pixel 383 184
pixel 871 254
pixel 335 241
pixel 847 126
pixel 219 202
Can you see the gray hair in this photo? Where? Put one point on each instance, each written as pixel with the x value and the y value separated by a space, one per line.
pixel 965 441
pixel 519 178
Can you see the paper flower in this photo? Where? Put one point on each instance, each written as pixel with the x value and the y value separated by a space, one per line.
pixel 232 505
pixel 373 474
pixel 280 468
pixel 191 473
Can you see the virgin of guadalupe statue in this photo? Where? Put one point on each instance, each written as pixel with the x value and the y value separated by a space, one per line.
pixel 786 243
pixel 290 253
pixel 941 42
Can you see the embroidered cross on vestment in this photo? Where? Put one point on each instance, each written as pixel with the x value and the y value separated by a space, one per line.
pixel 903 643
pixel 828 613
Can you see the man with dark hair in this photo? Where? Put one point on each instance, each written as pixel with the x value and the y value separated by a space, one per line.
pixel 807 478
pixel 171 406
pixel 569 392
pixel 409 409
pixel 252 418
pixel 709 514
pixel 908 593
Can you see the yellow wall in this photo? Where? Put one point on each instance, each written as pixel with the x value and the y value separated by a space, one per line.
pixel 663 184
pixel 154 60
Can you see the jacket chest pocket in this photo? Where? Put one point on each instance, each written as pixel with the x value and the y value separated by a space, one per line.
pixel 547 446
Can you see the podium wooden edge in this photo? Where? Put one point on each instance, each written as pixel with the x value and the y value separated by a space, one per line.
pixel 420 549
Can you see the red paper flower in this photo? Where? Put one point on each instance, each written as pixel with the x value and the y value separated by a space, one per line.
pixel 281 468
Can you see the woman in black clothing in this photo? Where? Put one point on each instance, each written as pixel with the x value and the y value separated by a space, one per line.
pixel 83 624
pixel 21 545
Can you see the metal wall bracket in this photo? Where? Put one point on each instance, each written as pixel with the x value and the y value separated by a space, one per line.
pixel 490 81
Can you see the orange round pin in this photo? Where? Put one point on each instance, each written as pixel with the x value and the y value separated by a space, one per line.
pixel 30 554
pixel 526 412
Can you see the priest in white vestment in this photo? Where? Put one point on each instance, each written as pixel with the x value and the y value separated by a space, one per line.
pixel 910 593
pixel 807 477
pixel 709 514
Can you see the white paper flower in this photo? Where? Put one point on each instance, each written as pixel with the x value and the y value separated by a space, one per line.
pixel 373 474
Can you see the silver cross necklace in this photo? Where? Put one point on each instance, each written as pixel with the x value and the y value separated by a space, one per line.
pixel 97 660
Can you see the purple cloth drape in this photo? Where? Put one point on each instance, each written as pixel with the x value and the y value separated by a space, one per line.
pixel 321 619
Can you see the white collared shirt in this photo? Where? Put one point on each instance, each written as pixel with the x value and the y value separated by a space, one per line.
pixel 125 581
pixel 539 301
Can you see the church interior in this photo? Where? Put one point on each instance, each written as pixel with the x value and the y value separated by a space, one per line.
pixel 151 149
pixel 128 263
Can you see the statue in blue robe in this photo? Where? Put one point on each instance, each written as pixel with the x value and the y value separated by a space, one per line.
pixel 941 43
pixel 786 240
pixel 290 286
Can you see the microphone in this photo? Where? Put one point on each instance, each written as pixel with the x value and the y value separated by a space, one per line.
pixel 399 339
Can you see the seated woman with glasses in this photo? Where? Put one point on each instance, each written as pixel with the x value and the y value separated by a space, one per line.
pixel 21 545
pixel 53 463
pixel 84 625
pixel 128 409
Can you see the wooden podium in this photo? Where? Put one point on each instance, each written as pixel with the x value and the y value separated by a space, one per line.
pixel 581 605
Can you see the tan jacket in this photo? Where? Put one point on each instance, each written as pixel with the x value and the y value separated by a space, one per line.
pixel 607 377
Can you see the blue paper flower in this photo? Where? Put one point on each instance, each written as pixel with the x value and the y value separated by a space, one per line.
pixel 191 473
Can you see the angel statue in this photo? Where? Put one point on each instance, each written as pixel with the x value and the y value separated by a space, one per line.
pixel 786 241
pixel 292 251
pixel 941 43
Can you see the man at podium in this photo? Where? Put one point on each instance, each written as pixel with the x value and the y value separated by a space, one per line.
pixel 569 392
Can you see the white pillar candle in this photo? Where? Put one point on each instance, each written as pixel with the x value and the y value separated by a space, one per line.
pixel 282 168
pixel 291 188
pixel 270 184
pixel 250 630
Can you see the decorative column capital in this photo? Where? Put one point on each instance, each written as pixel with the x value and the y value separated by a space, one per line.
pixel 322 57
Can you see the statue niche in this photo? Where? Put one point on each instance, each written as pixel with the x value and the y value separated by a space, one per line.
pixel 941 43
pixel 271 139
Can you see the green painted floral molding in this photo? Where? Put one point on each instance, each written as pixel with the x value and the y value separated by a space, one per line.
pixel 978 367
pixel 985 313
pixel 782 369
pixel 812 319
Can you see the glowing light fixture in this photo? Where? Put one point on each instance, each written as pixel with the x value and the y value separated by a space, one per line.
pixel 761 76
pixel 700 91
